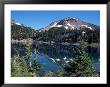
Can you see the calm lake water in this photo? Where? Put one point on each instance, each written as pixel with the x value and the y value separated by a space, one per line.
pixel 55 57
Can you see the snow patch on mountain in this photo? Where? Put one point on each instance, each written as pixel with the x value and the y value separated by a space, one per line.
pixel 69 23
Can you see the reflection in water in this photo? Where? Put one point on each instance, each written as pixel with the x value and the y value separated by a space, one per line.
pixel 55 57
pixel 62 55
pixel 47 65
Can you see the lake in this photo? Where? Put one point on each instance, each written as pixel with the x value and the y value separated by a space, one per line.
pixel 56 56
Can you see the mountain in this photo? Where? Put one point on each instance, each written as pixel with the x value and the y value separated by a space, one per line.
pixel 14 22
pixel 71 30
pixel 19 31
pixel 71 23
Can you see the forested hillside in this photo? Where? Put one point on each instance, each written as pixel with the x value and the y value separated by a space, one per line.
pixel 56 34
pixel 71 36
pixel 20 32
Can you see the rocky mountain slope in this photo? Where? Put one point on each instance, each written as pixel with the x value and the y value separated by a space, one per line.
pixel 71 23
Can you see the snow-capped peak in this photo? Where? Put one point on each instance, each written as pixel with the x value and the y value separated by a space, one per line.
pixel 70 23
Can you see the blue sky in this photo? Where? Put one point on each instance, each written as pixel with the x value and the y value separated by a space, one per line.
pixel 40 19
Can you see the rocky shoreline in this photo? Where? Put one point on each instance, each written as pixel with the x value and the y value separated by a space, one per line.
pixel 28 41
